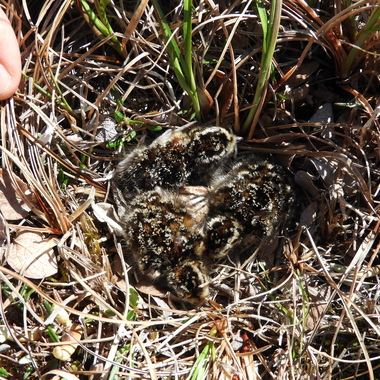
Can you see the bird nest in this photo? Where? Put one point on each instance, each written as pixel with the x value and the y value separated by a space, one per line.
pixel 99 84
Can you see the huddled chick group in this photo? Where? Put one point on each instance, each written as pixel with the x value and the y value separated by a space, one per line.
pixel 185 200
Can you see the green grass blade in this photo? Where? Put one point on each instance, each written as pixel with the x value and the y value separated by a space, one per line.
pixel 103 14
pixel 200 365
pixel 103 27
pixel 262 13
pixel 270 33
pixel 62 103
pixel 188 46
pixel 182 65
pixel 364 35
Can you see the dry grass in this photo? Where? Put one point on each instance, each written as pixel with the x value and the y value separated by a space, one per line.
pixel 314 314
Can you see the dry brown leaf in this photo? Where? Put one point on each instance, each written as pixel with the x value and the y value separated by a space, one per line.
pixel 106 130
pixel 331 171
pixel 11 205
pixel 305 181
pixel 148 288
pixel 3 232
pixel 59 374
pixel 309 215
pixel 226 94
pixel 71 338
pixel 302 74
pixel 317 306
pixel 220 89
pixel 32 256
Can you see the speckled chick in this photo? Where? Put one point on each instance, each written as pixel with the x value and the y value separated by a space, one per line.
pixel 162 241
pixel 179 157
pixel 247 201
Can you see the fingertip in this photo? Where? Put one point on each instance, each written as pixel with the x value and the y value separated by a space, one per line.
pixel 10 60
pixel 8 84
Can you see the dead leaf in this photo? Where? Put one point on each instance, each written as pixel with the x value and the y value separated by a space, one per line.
pixel 309 215
pixel 317 306
pixel 146 287
pixel 220 89
pixel 3 232
pixel 302 74
pixel 71 338
pixel 59 374
pixel 32 256
pixel 12 206
pixel 332 172
pixel 305 181
pixel 106 130
pixel 205 101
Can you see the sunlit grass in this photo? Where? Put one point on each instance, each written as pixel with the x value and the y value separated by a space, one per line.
pixel 306 303
pixel 100 23
pixel 182 62
pixel 363 41
pixel 270 28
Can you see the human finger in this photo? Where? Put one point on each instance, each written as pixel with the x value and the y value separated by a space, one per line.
pixel 10 60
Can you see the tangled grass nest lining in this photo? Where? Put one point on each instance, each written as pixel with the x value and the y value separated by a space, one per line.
pixel 315 311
